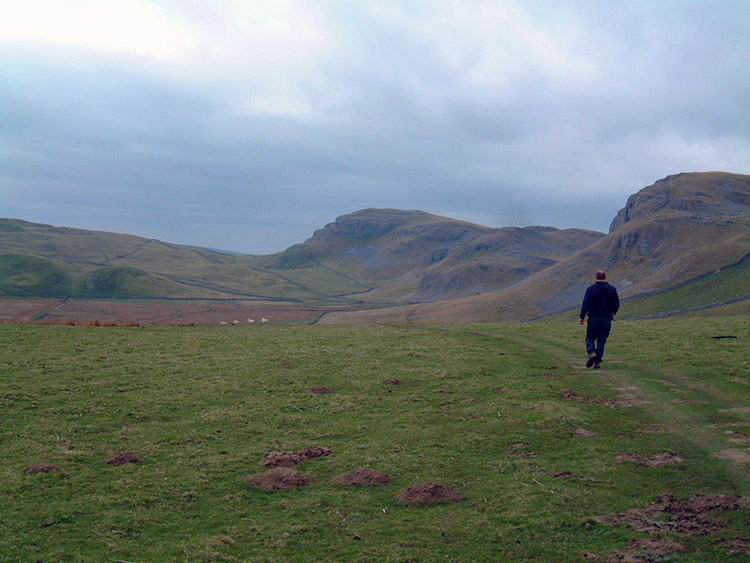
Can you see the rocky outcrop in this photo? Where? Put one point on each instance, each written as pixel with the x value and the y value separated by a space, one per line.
pixel 369 223
pixel 709 197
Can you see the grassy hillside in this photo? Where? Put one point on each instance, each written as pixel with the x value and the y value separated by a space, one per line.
pixel 727 284
pixel 129 265
pixel 544 451
pixel 29 276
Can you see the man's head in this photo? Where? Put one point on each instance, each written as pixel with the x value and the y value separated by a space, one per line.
pixel 601 275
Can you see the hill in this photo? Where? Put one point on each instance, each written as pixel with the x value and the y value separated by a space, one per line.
pixel 674 231
pixel 391 265
pixel 38 260
pixel 416 256
pixel 374 255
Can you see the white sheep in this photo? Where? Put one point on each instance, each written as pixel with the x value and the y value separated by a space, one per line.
pixel 235 322
pixel 264 320
pixel 250 321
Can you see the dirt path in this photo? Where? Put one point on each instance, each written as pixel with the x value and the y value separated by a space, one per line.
pixel 672 399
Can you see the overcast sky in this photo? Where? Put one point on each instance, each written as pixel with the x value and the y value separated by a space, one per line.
pixel 247 124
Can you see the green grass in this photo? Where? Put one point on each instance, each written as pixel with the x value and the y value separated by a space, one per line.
pixel 28 276
pixel 201 405
pixel 726 284
pixel 123 282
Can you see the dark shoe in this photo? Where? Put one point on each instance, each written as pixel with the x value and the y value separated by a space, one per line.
pixel 592 358
pixel 597 365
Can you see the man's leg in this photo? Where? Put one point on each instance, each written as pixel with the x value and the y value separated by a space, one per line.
pixel 591 341
pixel 605 326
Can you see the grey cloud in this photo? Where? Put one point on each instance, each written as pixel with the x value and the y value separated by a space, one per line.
pixel 389 115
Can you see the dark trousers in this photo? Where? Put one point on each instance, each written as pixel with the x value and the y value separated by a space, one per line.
pixel 597 331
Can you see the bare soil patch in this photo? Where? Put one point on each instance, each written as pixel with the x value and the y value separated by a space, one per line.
pixel 23 310
pixel 583 433
pixel 41 467
pixel 145 312
pixel 393 382
pixel 292 459
pixel 319 390
pixel 641 550
pixel 121 458
pixel 740 456
pixel 571 395
pixel 668 514
pixel 424 494
pixel 656 460
pixel 743 410
pixel 278 478
pixel 734 546
pixel 280 459
pixel 362 476
pixel 314 452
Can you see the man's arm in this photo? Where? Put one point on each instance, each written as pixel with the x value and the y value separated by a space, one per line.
pixel 584 305
pixel 615 301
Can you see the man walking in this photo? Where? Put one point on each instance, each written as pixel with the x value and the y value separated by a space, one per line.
pixel 600 303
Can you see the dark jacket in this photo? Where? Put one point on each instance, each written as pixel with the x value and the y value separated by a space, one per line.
pixel 600 300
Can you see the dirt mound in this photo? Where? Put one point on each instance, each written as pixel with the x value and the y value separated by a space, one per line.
pixel 583 433
pixel 314 452
pixel 667 514
pixel 280 459
pixel 642 549
pixel 278 478
pixel 393 382
pixel 292 459
pixel 121 458
pixel 319 390
pixel 41 467
pixel 428 493
pixel 362 476
pixel 734 546
pixel 656 460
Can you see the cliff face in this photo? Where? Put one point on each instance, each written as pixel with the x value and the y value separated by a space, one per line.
pixel 709 197
pixel 417 256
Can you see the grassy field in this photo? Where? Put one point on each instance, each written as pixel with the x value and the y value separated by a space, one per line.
pixel 539 446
